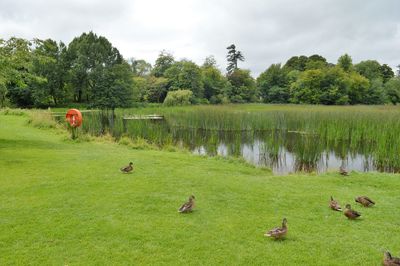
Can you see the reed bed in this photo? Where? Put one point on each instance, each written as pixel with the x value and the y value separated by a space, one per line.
pixel 308 131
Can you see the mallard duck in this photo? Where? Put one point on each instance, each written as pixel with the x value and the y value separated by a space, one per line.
pixel 278 232
pixel 343 171
pixel 334 205
pixel 351 214
pixel 127 169
pixel 187 206
pixel 388 260
pixel 365 201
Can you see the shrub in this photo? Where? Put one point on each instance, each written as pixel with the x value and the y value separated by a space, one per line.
pixel 178 97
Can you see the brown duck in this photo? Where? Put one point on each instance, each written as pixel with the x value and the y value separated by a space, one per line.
pixel 278 232
pixel 388 260
pixel 365 201
pixel 351 214
pixel 334 205
pixel 127 169
pixel 187 206
pixel 343 171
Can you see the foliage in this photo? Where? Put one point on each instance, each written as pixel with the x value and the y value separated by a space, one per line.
pixel 185 75
pixel 113 87
pixel 215 84
pixel 272 85
pixel 88 56
pixel 233 57
pixel 140 68
pixel 243 87
pixel 345 62
pixel 178 97
pixel 164 61
pixel 392 89
pixel 370 69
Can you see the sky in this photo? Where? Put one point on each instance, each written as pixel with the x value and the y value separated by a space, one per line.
pixel 265 31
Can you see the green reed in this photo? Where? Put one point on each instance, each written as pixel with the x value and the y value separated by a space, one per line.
pixel 370 130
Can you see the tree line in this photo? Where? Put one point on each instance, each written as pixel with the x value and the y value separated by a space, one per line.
pixel 90 71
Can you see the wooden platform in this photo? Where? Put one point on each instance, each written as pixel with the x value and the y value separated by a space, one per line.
pixel 143 117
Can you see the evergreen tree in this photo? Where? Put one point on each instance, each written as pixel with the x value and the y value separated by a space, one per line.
pixel 233 57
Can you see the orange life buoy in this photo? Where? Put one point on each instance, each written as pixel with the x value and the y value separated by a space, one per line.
pixel 74 117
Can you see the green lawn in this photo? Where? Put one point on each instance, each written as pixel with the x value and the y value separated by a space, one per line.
pixel 65 203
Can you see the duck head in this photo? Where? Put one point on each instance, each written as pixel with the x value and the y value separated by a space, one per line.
pixel 284 222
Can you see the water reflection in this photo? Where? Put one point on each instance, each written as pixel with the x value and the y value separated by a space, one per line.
pixel 283 152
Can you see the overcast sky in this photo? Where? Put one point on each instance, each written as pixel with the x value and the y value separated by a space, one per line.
pixel 266 31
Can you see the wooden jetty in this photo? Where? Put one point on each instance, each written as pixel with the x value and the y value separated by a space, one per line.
pixel 153 117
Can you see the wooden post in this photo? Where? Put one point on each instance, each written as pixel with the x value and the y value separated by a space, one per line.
pixel 124 125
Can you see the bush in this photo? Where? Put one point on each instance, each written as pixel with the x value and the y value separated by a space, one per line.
pixel 178 97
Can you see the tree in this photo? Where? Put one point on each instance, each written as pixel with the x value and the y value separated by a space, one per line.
pixel 185 75
pixel 156 89
pixel 215 84
pixel 345 62
pixel 210 62
pixel 140 68
pixel 49 62
pixel 296 63
pixel 233 57
pixel 243 87
pixel 272 85
pixel 387 73
pixel 87 56
pixel 17 75
pixel 164 61
pixel 358 87
pixel 321 86
pixel 113 88
pixel 370 69
pixel 392 90
pixel 316 62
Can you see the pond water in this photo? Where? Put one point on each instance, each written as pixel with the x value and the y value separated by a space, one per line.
pixel 282 152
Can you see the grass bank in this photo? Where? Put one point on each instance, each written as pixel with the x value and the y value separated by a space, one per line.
pixel 65 203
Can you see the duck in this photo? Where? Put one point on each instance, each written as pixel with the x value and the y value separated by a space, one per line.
pixel 351 214
pixel 365 201
pixel 278 232
pixel 127 169
pixel 187 206
pixel 334 205
pixel 388 260
pixel 343 171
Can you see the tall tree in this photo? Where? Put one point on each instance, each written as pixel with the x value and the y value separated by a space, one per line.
pixel 49 63
pixel 140 68
pixel 164 61
pixel 186 75
pixel 371 69
pixel 88 54
pixel 272 85
pixel 16 73
pixel 233 57
pixel 243 87
pixel 387 73
pixel 215 84
pixel 345 62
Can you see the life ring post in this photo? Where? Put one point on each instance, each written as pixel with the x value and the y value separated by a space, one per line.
pixel 74 119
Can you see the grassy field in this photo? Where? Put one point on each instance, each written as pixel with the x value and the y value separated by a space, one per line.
pixel 65 203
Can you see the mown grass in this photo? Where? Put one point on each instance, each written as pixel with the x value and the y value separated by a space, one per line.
pixel 65 203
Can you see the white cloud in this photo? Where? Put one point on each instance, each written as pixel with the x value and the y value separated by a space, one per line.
pixel 265 31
